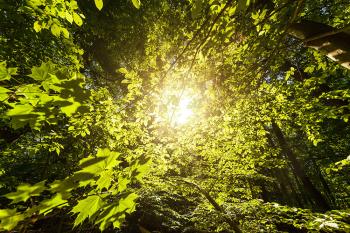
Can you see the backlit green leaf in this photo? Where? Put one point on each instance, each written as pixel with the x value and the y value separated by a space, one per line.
pixel 4 93
pixel 9 219
pixel 99 4
pixel 55 30
pixel 48 205
pixel 25 191
pixel 77 19
pixel 6 73
pixel 86 208
pixel 37 26
pixel 136 3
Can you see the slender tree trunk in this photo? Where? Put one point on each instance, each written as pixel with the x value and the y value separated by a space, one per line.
pixel 288 194
pixel 300 199
pixel 335 43
pixel 299 171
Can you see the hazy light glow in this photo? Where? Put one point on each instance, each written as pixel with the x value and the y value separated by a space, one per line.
pixel 182 112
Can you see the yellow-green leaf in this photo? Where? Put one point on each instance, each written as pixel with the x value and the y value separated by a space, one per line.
pixel 37 26
pixel 69 17
pixel 9 219
pixel 65 32
pixel 136 3
pixel 86 208
pixel 25 191
pixel 77 19
pixel 55 30
pixel 5 73
pixel 99 4
pixel 123 70
pixel 48 205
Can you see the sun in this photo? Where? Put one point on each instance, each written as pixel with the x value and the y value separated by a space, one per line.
pixel 175 108
pixel 182 113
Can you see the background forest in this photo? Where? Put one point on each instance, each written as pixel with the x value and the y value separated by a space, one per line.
pixel 174 116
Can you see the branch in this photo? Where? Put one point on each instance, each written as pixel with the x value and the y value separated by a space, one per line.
pixel 233 223
pixel 195 36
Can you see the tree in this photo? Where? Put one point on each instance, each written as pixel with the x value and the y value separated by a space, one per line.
pixel 174 116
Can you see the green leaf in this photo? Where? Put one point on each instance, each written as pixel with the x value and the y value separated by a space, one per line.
pixel 244 4
pixel 25 191
pixel 86 208
pixel 105 179
pixel 110 214
pixel 65 32
pixel 4 94
pixel 41 73
pixel 9 219
pixel 123 70
pixel 55 30
pixel 4 213
pixel 77 19
pixel 142 169
pixel 69 17
pixel 128 204
pixel 72 108
pixel 123 183
pixel 48 205
pixel 111 158
pixel 5 73
pixel 99 4
pixel 37 26
pixel 136 3
pixel 20 110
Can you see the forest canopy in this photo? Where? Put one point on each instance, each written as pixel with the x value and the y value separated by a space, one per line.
pixel 174 116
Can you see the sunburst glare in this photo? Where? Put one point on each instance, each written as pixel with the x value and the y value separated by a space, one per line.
pixel 182 112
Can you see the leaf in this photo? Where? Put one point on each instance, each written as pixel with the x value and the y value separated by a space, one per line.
pixel 104 160
pixel 122 183
pixel 123 70
pixel 86 208
pixel 48 205
pixel 20 110
pixel 41 73
pixel 4 213
pixel 6 73
pixel 72 108
pixel 243 5
pixel 55 30
pixel 69 17
pixel 65 32
pixel 4 94
pixel 128 203
pixel 142 169
pixel 108 215
pixel 9 219
pixel 99 4
pixel 136 3
pixel 25 191
pixel 77 19
pixel 111 158
pixel 105 179
pixel 37 26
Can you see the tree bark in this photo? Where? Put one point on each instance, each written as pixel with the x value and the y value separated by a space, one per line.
pixel 335 43
pixel 316 195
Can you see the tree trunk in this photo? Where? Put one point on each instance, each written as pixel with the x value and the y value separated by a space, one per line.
pixel 334 43
pixel 299 171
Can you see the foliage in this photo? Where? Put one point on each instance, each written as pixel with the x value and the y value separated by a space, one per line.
pixel 91 93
